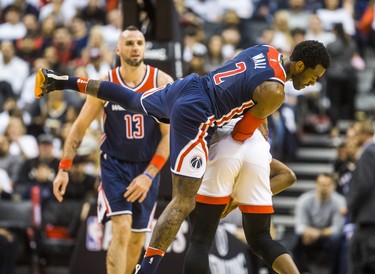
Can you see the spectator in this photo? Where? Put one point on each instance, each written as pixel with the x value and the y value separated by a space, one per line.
pixel 66 215
pixel 194 35
pixel 298 14
pixel 198 63
pixel 93 14
pixel 24 6
pixel 210 11
pixel 29 170
pixel 41 178
pixel 6 186
pixel 214 56
pixel 282 39
pixel 10 109
pixel 344 165
pixel 61 10
pixel 66 51
pixel 361 203
pixel 48 26
pixel 13 69
pixel 8 162
pixel 96 40
pixel 26 98
pixel 341 78
pixel 315 31
pixel 30 46
pixel 319 221
pixel 232 39
pixel 50 54
pixel 13 28
pixel 6 92
pixel 334 13
pixel 80 34
pixel 21 144
pixel 112 30
pixel 97 66
pixel 366 28
pixel 50 114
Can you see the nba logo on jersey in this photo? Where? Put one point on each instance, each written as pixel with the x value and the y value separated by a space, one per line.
pixel 94 234
pixel 196 162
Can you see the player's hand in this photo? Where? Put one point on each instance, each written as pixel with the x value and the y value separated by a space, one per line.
pixel 138 189
pixel 232 205
pixel 59 184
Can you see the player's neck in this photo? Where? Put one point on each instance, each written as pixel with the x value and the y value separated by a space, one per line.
pixel 288 69
pixel 132 75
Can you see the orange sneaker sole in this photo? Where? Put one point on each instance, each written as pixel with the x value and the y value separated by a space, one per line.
pixel 39 83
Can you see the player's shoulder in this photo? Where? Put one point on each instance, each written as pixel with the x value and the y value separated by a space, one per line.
pixel 163 78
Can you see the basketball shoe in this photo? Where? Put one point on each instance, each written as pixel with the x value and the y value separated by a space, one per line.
pixel 48 81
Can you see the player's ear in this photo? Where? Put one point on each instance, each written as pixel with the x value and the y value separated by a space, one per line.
pixel 117 50
pixel 299 66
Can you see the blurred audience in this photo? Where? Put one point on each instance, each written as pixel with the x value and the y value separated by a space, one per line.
pixel 361 204
pixel 14 70
pixel 341 78
pixel 319 220
pixel 38 169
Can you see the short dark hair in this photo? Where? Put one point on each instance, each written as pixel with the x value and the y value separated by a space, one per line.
pixel 311 53
pixel 131 27
pixel 327 175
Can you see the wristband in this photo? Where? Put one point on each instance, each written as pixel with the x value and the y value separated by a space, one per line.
pixel 65 164
pixel 245 128
pixel 148 175
pixel 158 161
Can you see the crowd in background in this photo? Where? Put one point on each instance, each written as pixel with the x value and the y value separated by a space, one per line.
pixel 79 37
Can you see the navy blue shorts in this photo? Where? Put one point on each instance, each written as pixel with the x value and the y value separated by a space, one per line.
pixel 189 111
pixel 116 175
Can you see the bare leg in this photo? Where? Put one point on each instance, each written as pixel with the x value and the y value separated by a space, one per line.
pixel 284 265
pixel 183 202
pixel 118 248
pixel 134 250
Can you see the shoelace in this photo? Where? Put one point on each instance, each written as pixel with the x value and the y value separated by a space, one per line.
pixel 137 268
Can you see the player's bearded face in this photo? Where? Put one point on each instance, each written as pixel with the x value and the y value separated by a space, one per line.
pixel 134 62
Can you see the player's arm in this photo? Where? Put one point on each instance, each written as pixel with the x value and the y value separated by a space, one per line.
pixel 268 97
pixel 162 150
pixel 140 185
pixel 90 110
pixel 281 177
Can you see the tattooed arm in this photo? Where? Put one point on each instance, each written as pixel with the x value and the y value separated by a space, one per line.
pixel 90 110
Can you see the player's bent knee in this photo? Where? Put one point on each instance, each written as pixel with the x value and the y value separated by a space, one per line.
pixel 268 249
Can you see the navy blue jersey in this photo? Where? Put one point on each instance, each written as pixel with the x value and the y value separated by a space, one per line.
pixel 128 136
pixel 231 86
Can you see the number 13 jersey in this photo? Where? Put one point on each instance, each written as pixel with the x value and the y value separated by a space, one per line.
pixel 128 136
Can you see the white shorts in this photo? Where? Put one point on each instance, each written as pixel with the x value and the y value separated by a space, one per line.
pixel 238 170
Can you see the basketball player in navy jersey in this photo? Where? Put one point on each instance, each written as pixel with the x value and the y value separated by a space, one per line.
pixel 251 83
pixel 134 148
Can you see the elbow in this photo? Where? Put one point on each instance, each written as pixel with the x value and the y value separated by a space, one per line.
pixel 291 177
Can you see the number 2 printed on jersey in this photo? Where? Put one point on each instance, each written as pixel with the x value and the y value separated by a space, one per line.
pixel 218 77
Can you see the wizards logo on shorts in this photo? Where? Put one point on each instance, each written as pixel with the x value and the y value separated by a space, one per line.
pixel 196 162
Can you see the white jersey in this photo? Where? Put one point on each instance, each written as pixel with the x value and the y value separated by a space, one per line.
pixel 241 170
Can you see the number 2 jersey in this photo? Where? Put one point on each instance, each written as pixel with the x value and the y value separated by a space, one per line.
pixel 128 136
pixel 231 86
